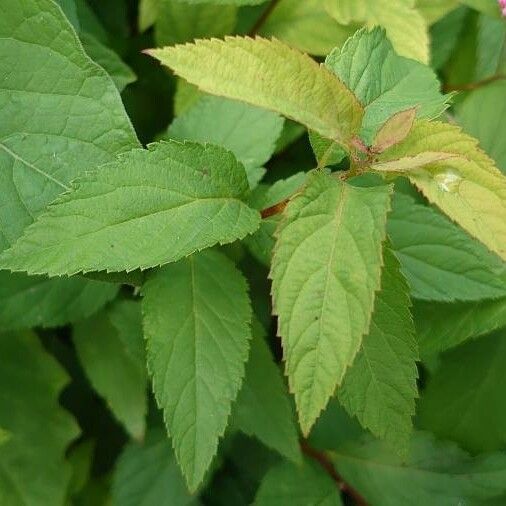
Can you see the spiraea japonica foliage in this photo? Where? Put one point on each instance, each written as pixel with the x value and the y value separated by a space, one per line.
pixel 252 252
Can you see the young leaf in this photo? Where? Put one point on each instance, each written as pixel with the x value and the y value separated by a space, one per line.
pixel 325 270
pixel 33 301
pixel 263 408
pixel 464 400
pixel 147 474
pixel 291 83
pixel 434 473
pixel 440 261
pixel 380 386
pixel 33 470
pixel 249 132
pixel 394 130
pixel 197 348
pixel 61 112
pixel 468 187
pixel 404 25
pixel 483 115
pixel 290 485
pixel 444 326
pixel 148 208
pixel 110 348
pixel 385 82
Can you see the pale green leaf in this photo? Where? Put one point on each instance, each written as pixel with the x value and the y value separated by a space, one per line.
pixel 483 115
pixel 305 25
pixel 261 243
pixel 408 164
pixel 385 82
pixel 197 325
pixel 437 473
pixel 61 113
pixel 292 84
pixel 290 485
pixel 179 21
pixel 405 26
pixel 33 469
pixel 32 301
pixel 380 386
pixel 185 96
pixel 150 207
pixel 110 348
pixel 441 261
pixel 394 130
pixel 238 3
pixel 147 474
pixel 445 325
pixel 468 188
pixel 262 408
pixel 464 400
pixel 324 278
pixel 249 132
pixel 109 60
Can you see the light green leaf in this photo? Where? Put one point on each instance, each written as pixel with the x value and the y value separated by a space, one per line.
pixel 292 84
pixel 324 277
pixel 65 118
pixel 150 207
pixel 263 408
pixel 468 188
pixel 464 400
pixel 405 26
pixel 380 386
pixel 120 72
pixel 261 243
pixel 110 348
pixel 239 3
pixel 33 470
pixel 445 325
pixel 196 322
pixel 185 96
pixel 249 132
pixel 434 473
pixel 147 474
pixel 32 301
pixel 385 82
pixel 181 21
pixel 408 164
pixel 440 261
pixel 306 26
pixel 483 115
pixel 290 485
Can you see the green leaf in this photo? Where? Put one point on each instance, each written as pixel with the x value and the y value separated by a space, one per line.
pixel 261 243
pixel 380 386
pixel 404 25
pixel 196 322
pixel 464 400
pixel 150 207
pixel 385 82
pixel 490 48
pixel 110 348
pixel 120 72
pixel 263 408
pixel 444 325
pixel 434 473
pixel 468 187
pixel 324 278
pixel 33 470
pixel 441 261
pixel 147 474
pixel 33 301
pixel 490 7
pixel 148 12
pixel 239 3
pixel 306 26
pixel 394 130
pixel 249 132
pixel 292 83
pixel 61 112
pixel 433 10
pixel 483 115
pixel 181 21
pixel 80 457
pixel 290 485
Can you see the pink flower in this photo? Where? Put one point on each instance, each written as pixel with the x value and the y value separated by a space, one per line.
pixel 502 5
